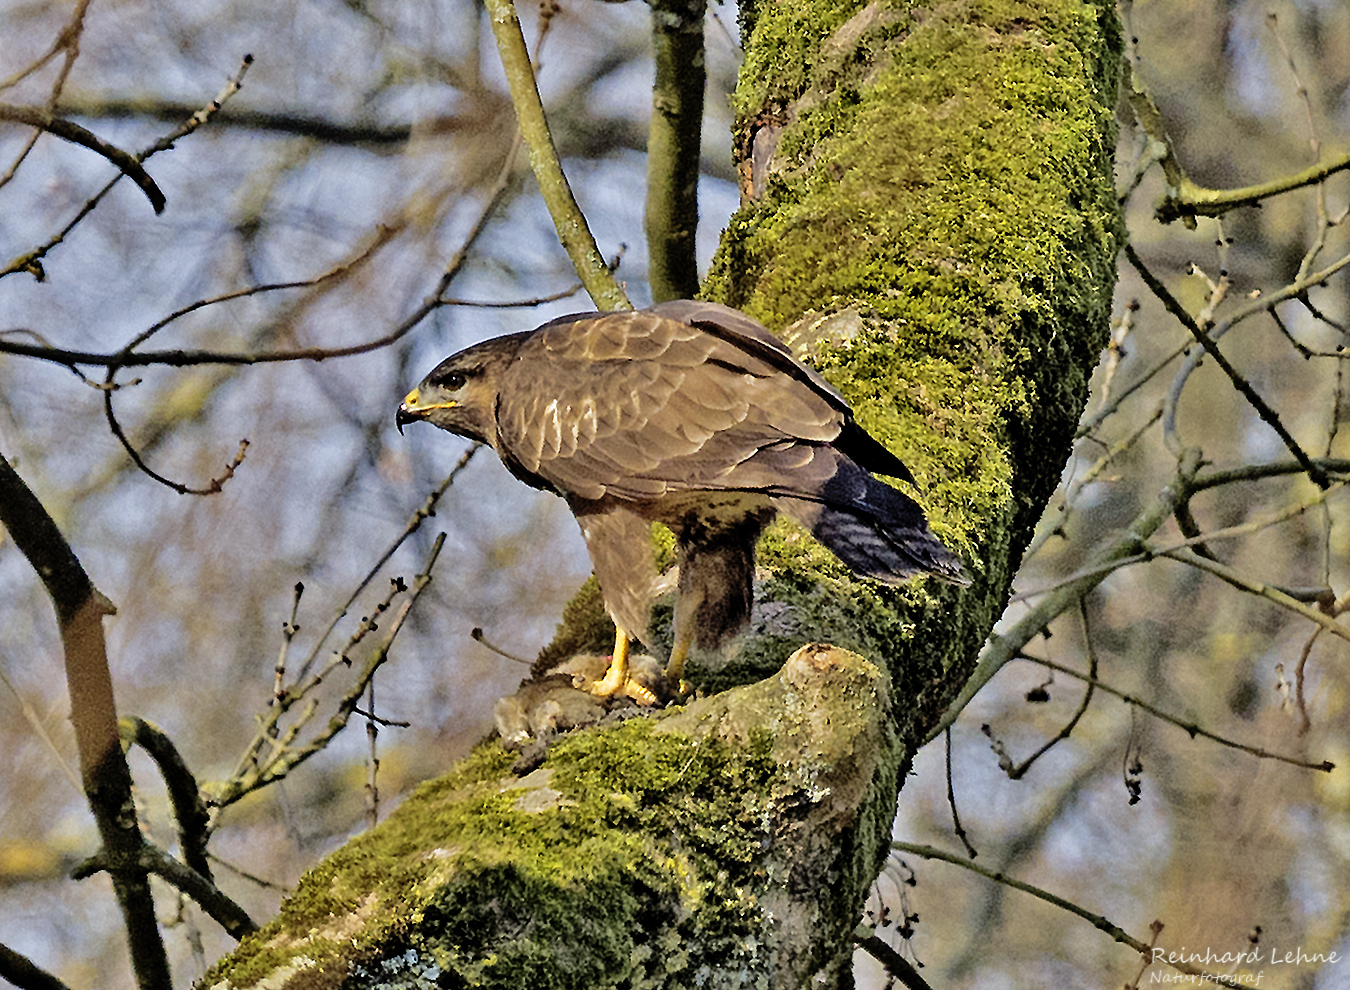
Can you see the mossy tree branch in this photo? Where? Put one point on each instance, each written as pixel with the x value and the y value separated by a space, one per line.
pixel 954 268
pixel 1190 200
pixel 673 144
pixel 731 836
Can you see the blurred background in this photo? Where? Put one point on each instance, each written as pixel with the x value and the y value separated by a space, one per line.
pixel 365 143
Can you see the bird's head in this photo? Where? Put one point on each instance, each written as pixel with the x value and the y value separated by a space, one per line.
pixel 460 394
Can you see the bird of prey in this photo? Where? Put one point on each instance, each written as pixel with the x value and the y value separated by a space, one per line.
pixel 693 415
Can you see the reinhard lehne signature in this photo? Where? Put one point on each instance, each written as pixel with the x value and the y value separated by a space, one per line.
pixel 1255 956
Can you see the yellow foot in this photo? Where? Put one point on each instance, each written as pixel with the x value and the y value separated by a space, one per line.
pixel 624 685
pixel 677 685
pixel 620 679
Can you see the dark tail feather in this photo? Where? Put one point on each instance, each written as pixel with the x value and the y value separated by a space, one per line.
pixel 877 531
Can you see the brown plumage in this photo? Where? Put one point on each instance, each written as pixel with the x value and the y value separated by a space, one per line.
pixel 693 415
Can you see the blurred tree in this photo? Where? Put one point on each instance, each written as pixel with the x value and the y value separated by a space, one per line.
pixel 366 169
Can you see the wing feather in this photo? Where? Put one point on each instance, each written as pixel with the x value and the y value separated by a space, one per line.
pixel 636 405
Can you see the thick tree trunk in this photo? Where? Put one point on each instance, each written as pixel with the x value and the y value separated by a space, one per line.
pixel 929 215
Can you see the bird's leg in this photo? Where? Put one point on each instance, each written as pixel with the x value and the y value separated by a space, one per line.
pixel 616 677
pixel 686 607
pixel 675 669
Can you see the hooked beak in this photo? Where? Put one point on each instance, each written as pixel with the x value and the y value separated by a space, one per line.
pixel 412 409
pixel 409 411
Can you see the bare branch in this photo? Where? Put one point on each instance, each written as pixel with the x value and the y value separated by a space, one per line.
pixel 184 797
pixel 1005 646
pixel 573 231
pixel 1191 727
pixel 208 896
pixel 31 261
pixel 896 965
pixel 425 511
pixel 126 163
pixel 21 971
pixel 1098 921
pixel 1268 415
pixel 80 610
pixel 285 757
pixel 951 797
pixel 1260 589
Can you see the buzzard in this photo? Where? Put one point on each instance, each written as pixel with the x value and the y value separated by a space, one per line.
pixel 693 415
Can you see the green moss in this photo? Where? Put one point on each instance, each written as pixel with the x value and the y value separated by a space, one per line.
pixel 571 887
pixel 943 169
pixel 650 853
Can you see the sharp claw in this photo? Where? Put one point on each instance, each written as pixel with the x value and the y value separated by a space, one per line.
pixel 614 681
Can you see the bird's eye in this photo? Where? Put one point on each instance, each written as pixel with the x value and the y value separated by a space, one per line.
pixel 453 381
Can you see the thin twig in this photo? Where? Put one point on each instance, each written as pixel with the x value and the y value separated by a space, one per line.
pixel 252 878
pixel 425 511
pixel 1267 415
pixel 31 261
pixel 1017 772
pixel 1258 588
pixel 477 635
pixel 1096 920
pixel 126 163
pixel 1191 728
pixel 288 630
pixel 253 773
pixel 951 799
pixel 1089 476
pixel 68 41
pixel 1148 552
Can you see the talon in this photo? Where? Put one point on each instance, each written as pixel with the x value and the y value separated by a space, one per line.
pixel 640 693
pixel 617 675
pixel 614 681
pixel 617 680
pixel 679 687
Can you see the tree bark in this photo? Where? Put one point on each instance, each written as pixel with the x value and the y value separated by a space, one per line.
pixel 929 216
